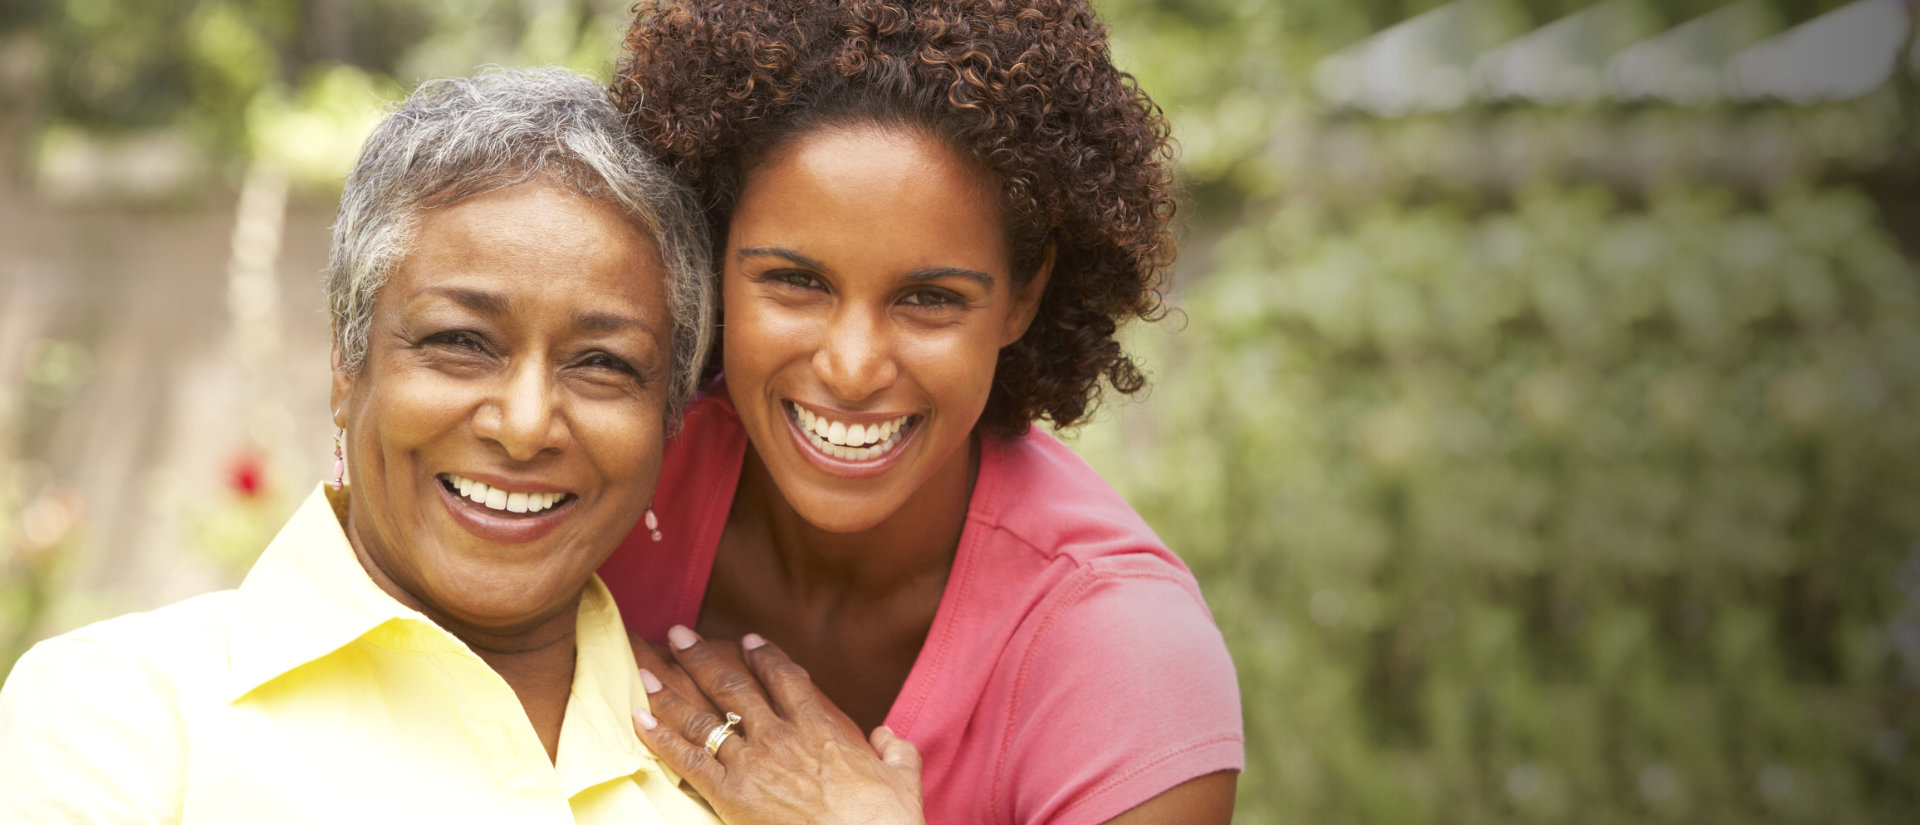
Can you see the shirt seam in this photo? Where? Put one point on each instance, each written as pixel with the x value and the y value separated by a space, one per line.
pixel 981 522
pixel 705 549
pixel 1099 792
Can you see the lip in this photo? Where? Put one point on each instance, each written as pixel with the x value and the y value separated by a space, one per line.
pixel 511 485
pixel 838 466
pixel 501 528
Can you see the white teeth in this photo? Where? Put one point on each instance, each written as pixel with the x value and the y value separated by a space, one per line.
pixel 489 497
pixel 850 442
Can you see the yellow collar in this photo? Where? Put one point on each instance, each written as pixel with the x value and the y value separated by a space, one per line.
pixel 308 596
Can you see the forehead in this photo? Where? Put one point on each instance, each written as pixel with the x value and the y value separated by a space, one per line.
pixel 873 186
pixel 535 241
pixel 864 150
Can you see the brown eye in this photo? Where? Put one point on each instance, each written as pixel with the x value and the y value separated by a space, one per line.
pixel 457 339
pixel 604 361
pixel 796 278
pixel 931 298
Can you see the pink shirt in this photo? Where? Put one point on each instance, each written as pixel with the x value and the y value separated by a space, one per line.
pixel 1072 671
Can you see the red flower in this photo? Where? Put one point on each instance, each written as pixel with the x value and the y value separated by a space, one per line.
pixel 246 473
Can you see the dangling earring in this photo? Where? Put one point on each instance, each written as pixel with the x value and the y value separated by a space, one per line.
pixel 339 461
pixel 653 523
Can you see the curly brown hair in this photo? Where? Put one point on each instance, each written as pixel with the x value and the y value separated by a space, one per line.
pixel 1082 153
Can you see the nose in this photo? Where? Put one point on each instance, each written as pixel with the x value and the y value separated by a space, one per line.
pixel 524 415
pixel 856 358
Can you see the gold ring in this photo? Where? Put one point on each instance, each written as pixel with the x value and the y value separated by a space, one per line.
pixel 721 733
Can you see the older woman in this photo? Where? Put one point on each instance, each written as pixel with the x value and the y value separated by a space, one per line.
pixel 520 307
pixel 931 218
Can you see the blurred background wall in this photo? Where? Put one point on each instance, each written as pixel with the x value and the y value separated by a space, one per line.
pixel 1540 408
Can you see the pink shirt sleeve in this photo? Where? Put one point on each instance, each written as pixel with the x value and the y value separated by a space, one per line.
pixel 1125 691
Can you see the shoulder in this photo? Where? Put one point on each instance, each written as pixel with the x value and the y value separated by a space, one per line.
pixel 1118 595
pixel 1118 685
pixel 1041 492
pixel 179 638
pixel 182 646
pixel 91 722
pixel 660 582
pixel 711 413
pixel 1126 628
pixel 701 455
pixel 179 634
pixel 1125 691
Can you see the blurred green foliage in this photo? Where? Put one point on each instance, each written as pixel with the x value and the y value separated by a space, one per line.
pixel 1539 464
pixel 295 83
pixel 1571 485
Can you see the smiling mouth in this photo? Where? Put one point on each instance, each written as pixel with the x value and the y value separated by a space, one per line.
pixel 501 501
pixel 851 442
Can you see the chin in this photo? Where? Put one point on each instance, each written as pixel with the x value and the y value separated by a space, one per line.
pixel 832 514
pixel 500 601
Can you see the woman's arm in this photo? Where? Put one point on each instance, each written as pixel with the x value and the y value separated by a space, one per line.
pixel 793 757
pixel 1198 801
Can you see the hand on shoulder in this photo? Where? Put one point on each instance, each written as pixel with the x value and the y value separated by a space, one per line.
pixel 783 753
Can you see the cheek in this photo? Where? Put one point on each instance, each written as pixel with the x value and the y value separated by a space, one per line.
pixel 395 415
pixel 958 364
pixel 409 410
pixel 763 334
pixel 625 441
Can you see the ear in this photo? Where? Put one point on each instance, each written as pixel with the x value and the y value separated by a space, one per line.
pixel 342 387
pixel 1026 299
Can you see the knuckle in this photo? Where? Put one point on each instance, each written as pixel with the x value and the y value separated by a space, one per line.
pixel 697 654
pixel 667 702
pixel 731 683
pixel 789 673
pixel 695 729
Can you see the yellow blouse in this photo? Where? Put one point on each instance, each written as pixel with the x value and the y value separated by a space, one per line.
pixel 310 695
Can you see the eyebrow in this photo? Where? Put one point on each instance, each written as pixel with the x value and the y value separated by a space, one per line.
pixel 746 252
pixel 919 276
pixel 478 300
pixel 590 322
pixel 916 276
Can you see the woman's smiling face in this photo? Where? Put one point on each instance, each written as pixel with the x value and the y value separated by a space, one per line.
pixel 505 430
pixel 868 293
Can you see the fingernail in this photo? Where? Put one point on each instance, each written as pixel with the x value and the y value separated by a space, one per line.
pixel 649 681
pixel 752 641
pixel 645 719
pixel 681 637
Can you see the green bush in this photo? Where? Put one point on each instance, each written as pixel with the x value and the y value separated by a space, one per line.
pixel 1560 503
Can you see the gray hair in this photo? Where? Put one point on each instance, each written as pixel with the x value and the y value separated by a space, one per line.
pixel 456 138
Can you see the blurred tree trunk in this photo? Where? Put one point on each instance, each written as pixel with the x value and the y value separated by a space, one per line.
pixel 324 29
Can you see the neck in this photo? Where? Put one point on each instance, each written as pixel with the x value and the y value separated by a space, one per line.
pixel 912 545
pixel 535 657
pixel 540 671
